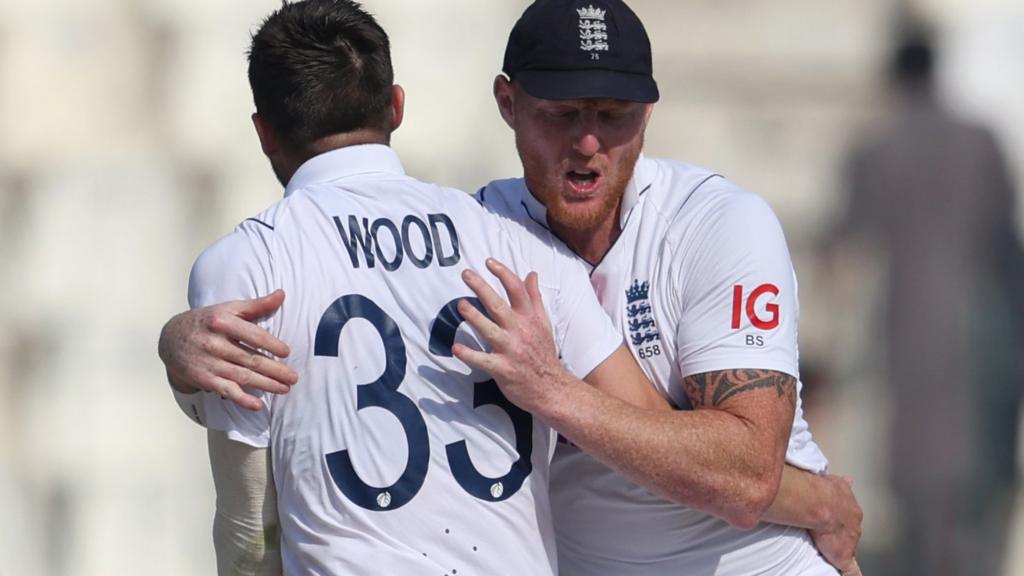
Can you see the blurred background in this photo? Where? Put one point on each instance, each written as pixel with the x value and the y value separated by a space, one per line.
pixel 126 148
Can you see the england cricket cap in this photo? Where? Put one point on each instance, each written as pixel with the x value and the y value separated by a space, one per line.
pixel 569 49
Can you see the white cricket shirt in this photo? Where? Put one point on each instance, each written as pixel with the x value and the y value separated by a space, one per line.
pixel 699 280
pixel 389 455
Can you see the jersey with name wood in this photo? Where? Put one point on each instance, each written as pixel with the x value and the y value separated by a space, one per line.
pixel 390 456
pixel 700 280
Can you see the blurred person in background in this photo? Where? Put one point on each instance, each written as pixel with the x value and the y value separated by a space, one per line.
pixel 930 194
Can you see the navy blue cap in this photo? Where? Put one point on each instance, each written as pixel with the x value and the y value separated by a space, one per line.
pixel 570 49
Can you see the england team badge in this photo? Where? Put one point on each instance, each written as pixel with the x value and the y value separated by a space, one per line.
pixel 640 320
pixel 593 31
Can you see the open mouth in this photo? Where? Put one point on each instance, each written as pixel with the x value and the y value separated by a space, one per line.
pixel 583 181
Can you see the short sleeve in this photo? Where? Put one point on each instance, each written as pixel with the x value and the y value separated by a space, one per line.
pixel 738 291
pixel 586 336
pixel 236 267
pixel 802 451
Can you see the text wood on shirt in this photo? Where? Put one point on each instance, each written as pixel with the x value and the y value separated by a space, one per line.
pixel 418 241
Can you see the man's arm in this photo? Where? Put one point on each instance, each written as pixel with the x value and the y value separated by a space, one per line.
pixel 246 533
pixel 823 504
pixel 826 506
pixel 725 457
pixel 238 266
pixel 805 499
pixel 216 349
pixel 678 454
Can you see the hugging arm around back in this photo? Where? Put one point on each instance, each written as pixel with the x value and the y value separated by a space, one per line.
pixel 619 386
pixel 823 504
pixel 630 427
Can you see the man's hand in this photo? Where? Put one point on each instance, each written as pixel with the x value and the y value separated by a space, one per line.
pixel 523 360
pixel 218 349
pixel 852 570
pixel 837 539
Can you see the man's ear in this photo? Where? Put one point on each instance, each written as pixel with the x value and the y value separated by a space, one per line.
pixel 268 138
pixel 504 96
pixel 397 106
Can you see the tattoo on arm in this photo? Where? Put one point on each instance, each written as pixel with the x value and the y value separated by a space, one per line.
pixel 713 388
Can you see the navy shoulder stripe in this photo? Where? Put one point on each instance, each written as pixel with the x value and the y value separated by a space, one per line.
pixel 693 191
pixel 259 222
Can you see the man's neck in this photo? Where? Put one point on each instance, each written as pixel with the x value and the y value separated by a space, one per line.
pixel 290 163
pixel 593 243
pixel 343 140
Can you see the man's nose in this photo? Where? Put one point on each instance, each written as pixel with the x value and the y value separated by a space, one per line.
pixel 587 142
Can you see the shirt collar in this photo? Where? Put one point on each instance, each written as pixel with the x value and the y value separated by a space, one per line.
pixel 643 176
pixel 537 211
pixel 343 162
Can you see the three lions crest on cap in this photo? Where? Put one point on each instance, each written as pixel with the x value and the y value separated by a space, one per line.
pixel 593 31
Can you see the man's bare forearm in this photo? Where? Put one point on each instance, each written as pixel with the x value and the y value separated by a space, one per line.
pixel 802 500
pixel 706 459
pixel 826 506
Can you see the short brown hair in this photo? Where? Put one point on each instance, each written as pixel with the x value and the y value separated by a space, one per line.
pixel 321 67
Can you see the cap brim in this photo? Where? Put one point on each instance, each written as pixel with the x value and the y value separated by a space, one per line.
pixel 578 84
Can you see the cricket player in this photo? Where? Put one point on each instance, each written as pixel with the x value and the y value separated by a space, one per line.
pixel 392 457
pixel 695 274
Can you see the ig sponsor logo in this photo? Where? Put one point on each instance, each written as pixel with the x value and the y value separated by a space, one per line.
pixel 766 320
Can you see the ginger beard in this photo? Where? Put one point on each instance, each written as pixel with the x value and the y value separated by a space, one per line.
pixel 579 195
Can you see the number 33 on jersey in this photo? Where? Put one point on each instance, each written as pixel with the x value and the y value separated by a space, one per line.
pixel 390 455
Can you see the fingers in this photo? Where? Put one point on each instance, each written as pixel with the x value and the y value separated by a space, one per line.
pixel 233 392
pixel 533 291
pixel 474 358
pixel 264 373
pixel 487 329
pixel 492 301
pixel 852 570
pixel 229 381
pixel 263 367
pixel 260 307
pixel 215 350
pixel 212 373
pixel 237 328
pixel 518 297
pixel 252 369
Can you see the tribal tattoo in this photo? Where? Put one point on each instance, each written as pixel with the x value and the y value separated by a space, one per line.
pixel 714 388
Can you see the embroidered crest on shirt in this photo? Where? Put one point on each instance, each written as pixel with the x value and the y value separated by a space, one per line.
pixel 593 31
pixel 639 319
